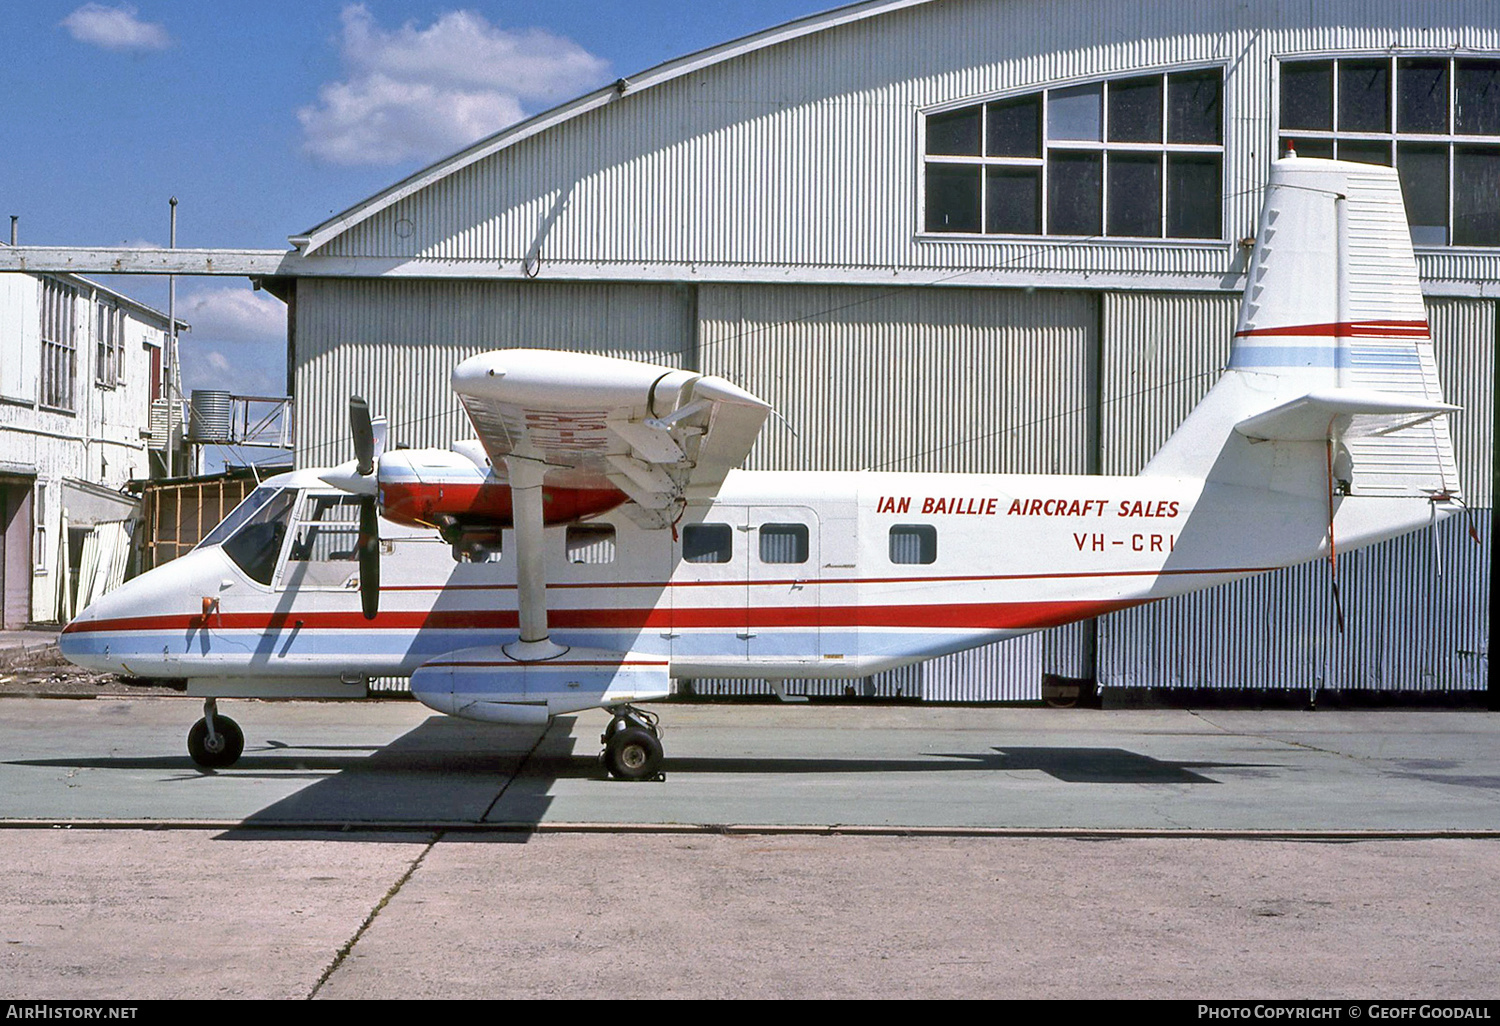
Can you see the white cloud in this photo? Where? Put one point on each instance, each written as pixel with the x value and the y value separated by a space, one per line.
pixel 228 314
pixel 422 92
pixel 115 28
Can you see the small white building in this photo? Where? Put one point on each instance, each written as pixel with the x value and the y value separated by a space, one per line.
pixel 79 367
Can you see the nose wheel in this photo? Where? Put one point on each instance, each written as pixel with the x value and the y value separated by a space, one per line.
pixel 632 745
pixel 215 741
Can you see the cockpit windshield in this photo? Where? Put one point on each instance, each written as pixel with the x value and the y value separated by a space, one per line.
pixel 244 511
pixel 253 533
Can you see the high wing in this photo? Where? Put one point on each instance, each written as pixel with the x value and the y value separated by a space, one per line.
pixel 658 434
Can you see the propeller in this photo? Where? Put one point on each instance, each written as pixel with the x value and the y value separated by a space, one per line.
pixel 367 448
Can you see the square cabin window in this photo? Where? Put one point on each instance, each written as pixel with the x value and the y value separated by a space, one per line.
pixel 591 544
pixel 707 543
pixel 783 543
pixel 913 543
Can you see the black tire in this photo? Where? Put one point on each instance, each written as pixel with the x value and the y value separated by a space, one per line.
pixel 633 754
pixel 230 743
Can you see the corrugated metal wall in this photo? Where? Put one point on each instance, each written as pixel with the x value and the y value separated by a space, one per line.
pixel 397 342
pixel 1416 608
pixel 909 379
pixel 963 380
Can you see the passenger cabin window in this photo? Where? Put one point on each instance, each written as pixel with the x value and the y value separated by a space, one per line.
pixel 913 543
pixel 325 549
pixel 783 543
pixel 591 544
pixel 707 543
pixel 256 544
pixel 1435 119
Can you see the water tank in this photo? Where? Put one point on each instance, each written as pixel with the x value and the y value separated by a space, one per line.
pixel 211 416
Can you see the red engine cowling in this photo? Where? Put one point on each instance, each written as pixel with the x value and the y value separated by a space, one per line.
pixel 448 491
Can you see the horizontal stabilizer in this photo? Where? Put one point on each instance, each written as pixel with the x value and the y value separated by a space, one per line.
pixel 1341 413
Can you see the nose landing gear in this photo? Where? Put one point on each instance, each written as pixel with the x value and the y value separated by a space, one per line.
pixel 632 745
pixel 215 741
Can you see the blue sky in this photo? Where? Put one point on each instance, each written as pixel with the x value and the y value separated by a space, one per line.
pixel 265 118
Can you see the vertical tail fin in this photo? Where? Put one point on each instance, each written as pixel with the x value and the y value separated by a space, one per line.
pixel 1332 344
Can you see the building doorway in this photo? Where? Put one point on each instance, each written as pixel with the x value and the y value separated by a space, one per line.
pixel 15 552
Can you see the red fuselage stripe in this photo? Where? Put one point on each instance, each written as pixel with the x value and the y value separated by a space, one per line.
pixel 1345 329
pixel 973 616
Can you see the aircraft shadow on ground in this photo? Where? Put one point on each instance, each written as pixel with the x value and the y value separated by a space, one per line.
pixel 449 772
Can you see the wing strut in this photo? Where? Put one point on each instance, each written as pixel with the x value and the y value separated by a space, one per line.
pixel 535 643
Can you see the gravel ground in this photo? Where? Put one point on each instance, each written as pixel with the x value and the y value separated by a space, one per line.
pixel 40 671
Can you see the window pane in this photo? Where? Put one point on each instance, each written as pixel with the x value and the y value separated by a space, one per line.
pixel 952 198
pixel 1365 152
pixel 1477 88
pixel 1135 110
pixel 257 545
pixel 955 133
pixel 591 544
pixel 1016 127
pixel 913 543
pixel 1476 189
pixel 1365 96
pixel 1423 170
pixel 1422 95
pixel 1193 197
pixel 1075 193
pixel 1135 195
pixel 783 543
pixel 1075 113
pixel 1193 107
pixel 1321 148
pixel 1307 95
pixel 707 543
pixel 1015 201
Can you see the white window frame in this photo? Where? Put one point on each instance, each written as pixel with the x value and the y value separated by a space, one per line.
pixel 1047 144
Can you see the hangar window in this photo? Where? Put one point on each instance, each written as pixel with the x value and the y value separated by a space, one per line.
pixel 1436 119
pixel 1139 157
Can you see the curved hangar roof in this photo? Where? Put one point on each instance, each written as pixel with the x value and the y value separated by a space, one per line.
pixel 315 238
pixel 804 153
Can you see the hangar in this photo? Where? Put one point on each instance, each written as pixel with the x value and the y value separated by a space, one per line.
pixel 961 235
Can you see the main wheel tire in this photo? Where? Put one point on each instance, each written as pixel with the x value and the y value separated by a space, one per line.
pixel 228 743
pixel 633 754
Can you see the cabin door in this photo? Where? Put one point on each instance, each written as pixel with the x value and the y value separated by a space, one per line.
pixel 783 619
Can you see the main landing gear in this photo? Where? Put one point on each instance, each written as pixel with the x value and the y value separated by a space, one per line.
pixel 215 741
pixel 632 745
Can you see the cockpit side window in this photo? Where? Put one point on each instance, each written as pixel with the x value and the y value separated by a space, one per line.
pixel 255 546
pixel 325 548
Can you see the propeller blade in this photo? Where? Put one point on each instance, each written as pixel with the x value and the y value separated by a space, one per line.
pixel 369 557
pixel 363 430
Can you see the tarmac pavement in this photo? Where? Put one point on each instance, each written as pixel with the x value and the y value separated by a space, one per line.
pixel 374 850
